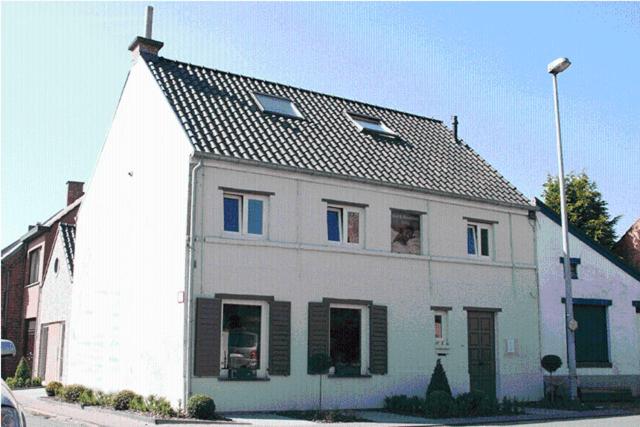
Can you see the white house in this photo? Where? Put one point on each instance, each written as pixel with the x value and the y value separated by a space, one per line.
pixel 606 304
pixel 54 308
pixel 235 227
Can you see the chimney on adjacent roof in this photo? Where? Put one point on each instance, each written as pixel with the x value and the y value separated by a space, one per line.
pixel 454 126
pixel 146 43
pixel 74 191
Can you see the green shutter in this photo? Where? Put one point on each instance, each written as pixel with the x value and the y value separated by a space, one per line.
pixel 206 361
pixel 318 341
pixel 592 344
pixel 280 338
pixel 378 339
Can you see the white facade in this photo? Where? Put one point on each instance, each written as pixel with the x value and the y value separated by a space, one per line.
pixel 129 319
pixel 294 262
pixel 598 279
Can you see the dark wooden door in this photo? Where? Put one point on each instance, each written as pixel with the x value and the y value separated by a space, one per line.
pixel 482 352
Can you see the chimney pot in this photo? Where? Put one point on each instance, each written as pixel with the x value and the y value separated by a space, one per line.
pixel 75 190
pixel 454 126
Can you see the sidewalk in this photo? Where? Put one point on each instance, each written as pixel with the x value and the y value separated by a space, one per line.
pixel 31 400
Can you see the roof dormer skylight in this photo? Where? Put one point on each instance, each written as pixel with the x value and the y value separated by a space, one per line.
pixel 277 105
pixel 371 125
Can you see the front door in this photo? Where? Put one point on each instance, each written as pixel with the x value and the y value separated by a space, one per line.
pixel 482 352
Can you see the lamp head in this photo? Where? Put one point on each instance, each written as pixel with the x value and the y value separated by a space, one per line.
pixel 558 66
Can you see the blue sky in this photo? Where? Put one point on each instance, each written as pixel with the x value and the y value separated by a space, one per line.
pixel 64 65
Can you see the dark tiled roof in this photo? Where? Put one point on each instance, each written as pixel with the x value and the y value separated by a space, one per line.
pixel 584 238
pixel 68 232
pixel 221 117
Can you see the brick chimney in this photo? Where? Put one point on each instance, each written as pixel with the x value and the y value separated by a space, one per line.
pixel 454 126
pixel 146 43
pixel 74 191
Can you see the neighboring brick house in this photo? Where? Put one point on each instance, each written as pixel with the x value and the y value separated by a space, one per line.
pixel 234 228
pixel 628 247
pixel 24 264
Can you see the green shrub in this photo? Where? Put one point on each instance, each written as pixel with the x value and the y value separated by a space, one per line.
pixel 137 403
pixel 19 382
pixel 53 388
pixel 439 404
pixel 160 406
pixel 22 371
pixel 476 404
pixel 36 382
pixel 122 400
pixel 201 407
pixel 71 393
pixel 439 380
pixel 104 399
pixel 87 398
pixel 27 382
pixel 11 383
pixel 402 404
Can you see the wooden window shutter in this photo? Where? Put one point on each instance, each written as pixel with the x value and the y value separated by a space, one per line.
pixel 318 331
pixel 280 338
pixel 378 339
pixel 206 361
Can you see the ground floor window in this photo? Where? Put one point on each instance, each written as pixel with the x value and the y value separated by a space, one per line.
pixel 592 341
pixel 346 340
pixel 29 339
pixel 242 339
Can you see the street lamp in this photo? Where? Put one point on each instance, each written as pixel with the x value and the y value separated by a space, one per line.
pixel 555 68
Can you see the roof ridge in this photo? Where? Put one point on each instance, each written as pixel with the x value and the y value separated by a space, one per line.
pixel 147 57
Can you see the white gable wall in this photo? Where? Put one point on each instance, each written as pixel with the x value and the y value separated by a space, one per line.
pixel 598 278
pixel 126 328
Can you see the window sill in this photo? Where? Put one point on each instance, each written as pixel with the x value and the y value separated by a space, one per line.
pixel 443 348
pixel 349 376
pixel 243 379
pixel 594 365
pixel 30 285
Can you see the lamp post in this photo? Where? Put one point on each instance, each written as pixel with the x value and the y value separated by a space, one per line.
pixel 555 68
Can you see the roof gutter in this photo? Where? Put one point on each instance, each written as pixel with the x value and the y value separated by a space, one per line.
pixel 188 287
pixel 204 155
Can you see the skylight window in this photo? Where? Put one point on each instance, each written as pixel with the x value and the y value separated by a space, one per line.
pixel 277 105
pixel 371 125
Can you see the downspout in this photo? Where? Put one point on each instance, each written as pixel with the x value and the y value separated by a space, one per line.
pixel 534 226
pixel 188 287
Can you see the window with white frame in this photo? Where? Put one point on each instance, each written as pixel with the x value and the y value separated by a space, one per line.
pixel 479 239
pixel 245 214
pixel 349 339
pixel 244 339
pixel 441 328
pixel 345 225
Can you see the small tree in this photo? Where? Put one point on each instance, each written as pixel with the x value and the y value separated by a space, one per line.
pixel 586 209
pixel 439 380
pixel 551 363
pixel 22 371
pixel 319 364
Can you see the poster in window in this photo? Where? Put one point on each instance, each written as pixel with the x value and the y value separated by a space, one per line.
pixel 405 233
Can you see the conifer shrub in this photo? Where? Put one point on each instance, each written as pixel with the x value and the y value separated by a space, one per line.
pixel 201 407
pixel 439 380
pixel 22 371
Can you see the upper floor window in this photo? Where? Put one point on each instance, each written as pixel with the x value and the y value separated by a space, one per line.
pixel 479 239
pixel 371 125
pixel 245 214
pixel 277 105
pixel 405 232
pixel 573 265
pixel 345 224
pixel 34 266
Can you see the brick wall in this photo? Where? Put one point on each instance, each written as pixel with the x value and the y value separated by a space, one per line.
pixel 12 288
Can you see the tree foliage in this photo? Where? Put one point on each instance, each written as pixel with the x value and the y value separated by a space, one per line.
pixel 586 209
pixel 439 380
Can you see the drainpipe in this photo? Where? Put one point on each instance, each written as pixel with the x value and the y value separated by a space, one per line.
pixel 188 297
